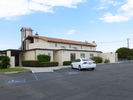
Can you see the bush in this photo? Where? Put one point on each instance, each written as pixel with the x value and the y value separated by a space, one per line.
pixel 97 59
pixel 39 64
pixel 106 61
pixel 4 61
pixel 43 58
pixel 67 62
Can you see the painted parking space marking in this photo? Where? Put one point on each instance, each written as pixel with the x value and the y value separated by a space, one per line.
pixel 47 76
pixel 15 81
pixel 72 73
pixel 35 76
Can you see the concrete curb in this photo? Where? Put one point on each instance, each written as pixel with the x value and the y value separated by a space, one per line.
pixel 15 72
pixel 45 69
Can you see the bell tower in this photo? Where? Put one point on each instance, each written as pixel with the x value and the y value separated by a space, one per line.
pixel 25 32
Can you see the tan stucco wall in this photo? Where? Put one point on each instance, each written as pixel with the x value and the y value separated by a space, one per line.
pixel 45 52
pixel 64 55
pixel 58 57
pixel 38 43
pixel 32 55
pixel 12 62
pixel 28 55
pixel 113 57
pixel 12 59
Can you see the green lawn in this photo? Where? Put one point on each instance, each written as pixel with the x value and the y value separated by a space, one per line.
pixel 13 70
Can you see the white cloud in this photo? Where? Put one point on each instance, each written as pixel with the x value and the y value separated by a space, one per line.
pixel 104 4
pixel 70 32
pixel 108 17
pixel 114 3
pixel 11 8
pixel 125 13
pixel 101 8
pixel 110 2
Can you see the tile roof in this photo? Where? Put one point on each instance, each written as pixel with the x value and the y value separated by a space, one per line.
pixel 63 41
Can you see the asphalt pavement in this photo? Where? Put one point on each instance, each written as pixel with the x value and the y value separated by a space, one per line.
pixel 107 82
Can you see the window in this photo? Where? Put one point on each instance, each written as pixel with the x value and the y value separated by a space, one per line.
pixel 55 44
pixel 70 45
pixel 91 55
pixel 32 40
pixel 86 60
pixel 77 60
pixel 81 47
pixel 49 54
pixel 82 55
pixel 63 47
pixel 75 48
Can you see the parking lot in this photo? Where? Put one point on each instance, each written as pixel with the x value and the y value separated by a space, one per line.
pixel 107 82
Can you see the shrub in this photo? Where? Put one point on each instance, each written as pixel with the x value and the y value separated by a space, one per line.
pixel 39 64
pixel 97 59
pixel 30 63
pixel 4 61
pixel 67 62
pixel 106 61
pixel 43 58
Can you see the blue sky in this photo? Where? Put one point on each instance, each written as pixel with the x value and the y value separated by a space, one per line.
pixel 108 22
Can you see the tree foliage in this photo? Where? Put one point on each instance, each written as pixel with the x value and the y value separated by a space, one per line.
pixel 125 53
pixel 4 61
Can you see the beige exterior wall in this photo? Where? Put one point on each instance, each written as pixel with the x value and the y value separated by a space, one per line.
pixel 32 55
pixel 113 57
pixel 12 62
pixel 46 52
pixel 64 55
pixel 24 34
pixel 28 55
pixel 12 59
pixel 38 43
pixel 58 56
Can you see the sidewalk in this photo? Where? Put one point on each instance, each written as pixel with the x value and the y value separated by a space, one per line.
pixel 45 69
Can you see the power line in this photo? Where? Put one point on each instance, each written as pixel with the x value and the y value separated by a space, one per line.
pixel 112 41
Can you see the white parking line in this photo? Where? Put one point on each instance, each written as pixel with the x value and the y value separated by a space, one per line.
pixel 35 76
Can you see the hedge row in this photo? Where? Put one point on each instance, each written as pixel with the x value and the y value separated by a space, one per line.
pixel 39 64
pixel 67 62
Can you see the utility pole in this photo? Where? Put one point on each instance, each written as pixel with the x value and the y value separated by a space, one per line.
pixel 127 42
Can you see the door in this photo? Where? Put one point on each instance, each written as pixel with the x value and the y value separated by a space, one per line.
pixel 73 56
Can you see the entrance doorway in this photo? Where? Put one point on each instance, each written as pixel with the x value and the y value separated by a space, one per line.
pixel 73 56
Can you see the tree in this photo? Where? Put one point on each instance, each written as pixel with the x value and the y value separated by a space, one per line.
pixel 4 62
pixel 124 53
